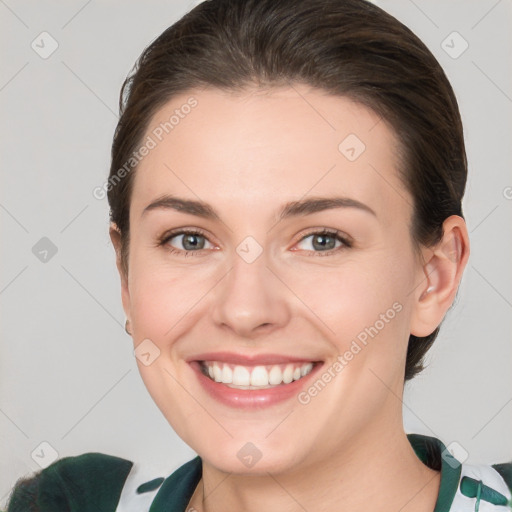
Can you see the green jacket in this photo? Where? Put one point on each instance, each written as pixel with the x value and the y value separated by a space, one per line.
pixel 97 482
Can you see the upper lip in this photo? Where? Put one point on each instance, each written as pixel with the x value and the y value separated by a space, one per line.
pixel 250 360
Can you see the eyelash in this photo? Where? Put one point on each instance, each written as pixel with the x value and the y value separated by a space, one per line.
pixel 347 244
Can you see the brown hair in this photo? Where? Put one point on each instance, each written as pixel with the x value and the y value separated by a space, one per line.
pixel 348 48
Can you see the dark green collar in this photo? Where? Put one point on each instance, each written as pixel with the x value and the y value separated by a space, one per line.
pixel 176 491
pixel 433 453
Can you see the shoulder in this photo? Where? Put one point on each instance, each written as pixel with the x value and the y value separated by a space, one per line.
pixel 465 487
pixel 489 485
pixel 90 481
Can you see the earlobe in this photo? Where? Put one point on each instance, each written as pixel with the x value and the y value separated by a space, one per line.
pixel 441 277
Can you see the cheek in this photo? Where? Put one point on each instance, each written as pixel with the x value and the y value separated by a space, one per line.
pixel 363 312
pixel 348 298
pixel 163 296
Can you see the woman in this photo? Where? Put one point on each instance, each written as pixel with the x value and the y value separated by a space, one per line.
pixel 285 193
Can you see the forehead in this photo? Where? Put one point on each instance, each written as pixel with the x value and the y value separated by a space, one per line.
pixel 266 147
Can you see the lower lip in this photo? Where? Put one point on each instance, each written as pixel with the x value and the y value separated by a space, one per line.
pixel 252 398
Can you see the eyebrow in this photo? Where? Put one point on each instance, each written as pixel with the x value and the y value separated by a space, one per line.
pixel 292 209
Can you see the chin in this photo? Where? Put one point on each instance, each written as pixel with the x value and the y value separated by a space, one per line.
pixel 250 458
pixel 245 467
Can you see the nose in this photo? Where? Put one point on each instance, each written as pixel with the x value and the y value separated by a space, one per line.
pixel 251 299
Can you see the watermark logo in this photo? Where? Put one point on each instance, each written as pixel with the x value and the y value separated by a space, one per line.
pixel 44 45
pixel 454 454
pixel 351 147
pixel 146 352
pixel 249 249
pixel 44 250
pixel 454 45
pixel 44 454
pixel 249 455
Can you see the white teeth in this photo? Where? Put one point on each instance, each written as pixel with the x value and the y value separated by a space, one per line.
pixel 259 376
pixel 217 373
pixel 255 377
pixel 288 374
pixel 275 376
pixel 227 374
pixel 241 376
pixel 306 369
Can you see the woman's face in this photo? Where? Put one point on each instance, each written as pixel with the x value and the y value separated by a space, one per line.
pixel 258 288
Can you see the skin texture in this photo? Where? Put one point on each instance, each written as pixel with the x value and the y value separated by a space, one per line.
pixel 247 155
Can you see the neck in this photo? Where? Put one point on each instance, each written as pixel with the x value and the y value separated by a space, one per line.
pixel 377 470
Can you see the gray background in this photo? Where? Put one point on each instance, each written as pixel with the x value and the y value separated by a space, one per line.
pixel 68 375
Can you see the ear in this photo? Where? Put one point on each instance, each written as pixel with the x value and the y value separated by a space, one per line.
pixel 115 237
pixel 439 277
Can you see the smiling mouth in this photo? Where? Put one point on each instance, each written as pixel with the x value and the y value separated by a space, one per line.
pixel 257 376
